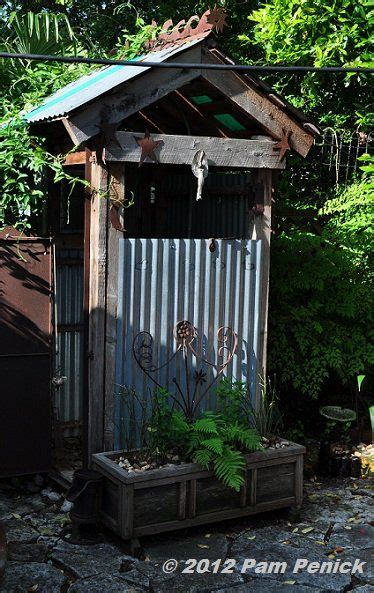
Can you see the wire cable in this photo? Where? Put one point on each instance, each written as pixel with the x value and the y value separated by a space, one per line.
pixel 184 66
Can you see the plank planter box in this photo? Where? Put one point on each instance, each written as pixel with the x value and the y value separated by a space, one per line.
pixel 179 496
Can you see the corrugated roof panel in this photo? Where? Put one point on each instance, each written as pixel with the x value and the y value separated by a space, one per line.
pixel 91 86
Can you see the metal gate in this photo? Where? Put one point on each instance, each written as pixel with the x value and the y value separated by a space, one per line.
pixel 25 353
pixel 163 281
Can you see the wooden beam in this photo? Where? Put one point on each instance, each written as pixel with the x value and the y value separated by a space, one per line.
pixel 252 102
pixel 132 97
pixel 117 193
pixel 97 305
pixel 261 230
pixel 75 158
pixel 202 117
pixel 180 150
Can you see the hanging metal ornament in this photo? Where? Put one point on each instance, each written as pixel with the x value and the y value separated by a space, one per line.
pixel 199 168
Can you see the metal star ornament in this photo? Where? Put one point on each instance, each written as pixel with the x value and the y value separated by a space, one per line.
pixel 283 144
pixel 148 146
pixel 217 18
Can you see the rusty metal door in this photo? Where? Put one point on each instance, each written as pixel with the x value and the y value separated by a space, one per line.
pixel 25 353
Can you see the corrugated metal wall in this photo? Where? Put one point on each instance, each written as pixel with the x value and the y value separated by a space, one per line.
pixel 69 360
pixel 163 281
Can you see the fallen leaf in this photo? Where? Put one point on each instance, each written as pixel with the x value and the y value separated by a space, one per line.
pixel 202 546
pixel 347 527
pixel 46 531
pixel 338 550
pixel 16 516
pixel 208 535
pixel 307 530
pixel 331 556
pixel 251 537
pixel 289 582
pixel 295 530
pixel 317 541
pixel 286 542
pixel 33 588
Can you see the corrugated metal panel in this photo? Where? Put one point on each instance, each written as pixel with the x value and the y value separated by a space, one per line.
pixel 69 297
pixel 98 83
pixel 163 281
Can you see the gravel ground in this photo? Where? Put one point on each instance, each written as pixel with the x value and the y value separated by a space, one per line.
pixel 335 525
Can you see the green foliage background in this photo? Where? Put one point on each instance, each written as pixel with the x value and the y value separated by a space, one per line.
pixel 320 325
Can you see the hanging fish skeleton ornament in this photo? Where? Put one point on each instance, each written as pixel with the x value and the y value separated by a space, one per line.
pixel 200 170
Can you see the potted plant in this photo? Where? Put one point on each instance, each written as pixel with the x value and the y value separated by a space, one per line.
pixel 200 468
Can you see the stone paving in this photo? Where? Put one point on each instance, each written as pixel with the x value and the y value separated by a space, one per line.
pixel 335 523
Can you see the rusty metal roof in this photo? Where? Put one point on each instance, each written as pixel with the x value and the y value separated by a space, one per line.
pixel 90 87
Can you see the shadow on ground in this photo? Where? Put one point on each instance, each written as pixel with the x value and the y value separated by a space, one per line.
pixel 334 525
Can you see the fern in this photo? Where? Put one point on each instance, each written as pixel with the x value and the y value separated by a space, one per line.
pixel 215 445
pixel 247 437
pixel 207 424
pixel 229 468
pixel 203 457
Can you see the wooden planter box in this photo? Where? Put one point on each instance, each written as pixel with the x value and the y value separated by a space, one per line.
pixel 180 496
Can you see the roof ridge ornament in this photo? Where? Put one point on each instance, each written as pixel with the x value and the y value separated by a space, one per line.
pixel 195 28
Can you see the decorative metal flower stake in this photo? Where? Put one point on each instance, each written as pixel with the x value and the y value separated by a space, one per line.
pixel 186 335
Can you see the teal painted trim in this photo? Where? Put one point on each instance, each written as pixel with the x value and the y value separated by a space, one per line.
pixel 93 79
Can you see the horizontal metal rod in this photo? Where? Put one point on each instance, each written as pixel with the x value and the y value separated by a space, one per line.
pixel 184 66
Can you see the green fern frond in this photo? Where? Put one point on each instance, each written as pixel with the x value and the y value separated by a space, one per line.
pixel 247 437
pixel 207 425
pixel 179 424
pixel 214 444
pixel 203 457
pixel 229 468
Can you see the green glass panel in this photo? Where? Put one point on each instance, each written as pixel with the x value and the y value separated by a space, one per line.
pixel 201 99
pixel 229 121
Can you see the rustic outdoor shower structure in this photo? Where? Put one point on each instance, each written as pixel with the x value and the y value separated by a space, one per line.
pixel 180 167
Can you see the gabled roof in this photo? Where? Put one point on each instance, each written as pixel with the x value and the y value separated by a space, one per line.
pixel 93 86
pixel 117 93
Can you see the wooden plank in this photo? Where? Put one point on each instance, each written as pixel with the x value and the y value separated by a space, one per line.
pixel 75 158
pixel 251 101
pixel 116 192
pixel 86 308
pixel 192 499
pixel 180 150
pixel 142 479
pixel 253 487
pixel 261 230
pixel 299 475
pixel 97 301
pixel 127 508
pixel 182 500
pixel 214 517
pixel 243 490
pixel 132 96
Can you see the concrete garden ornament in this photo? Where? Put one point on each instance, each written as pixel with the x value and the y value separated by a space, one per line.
pixel 200 170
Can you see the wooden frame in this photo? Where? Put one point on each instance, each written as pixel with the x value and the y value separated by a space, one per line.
pixel 133 96
pixel 251 101
pixel 180 150
pixel 258 155
pixel 180 496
